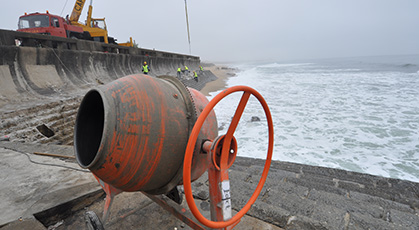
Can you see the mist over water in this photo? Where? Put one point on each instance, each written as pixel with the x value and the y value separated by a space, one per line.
pixel 358 114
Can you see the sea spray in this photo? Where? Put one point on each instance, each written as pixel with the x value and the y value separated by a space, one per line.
pixel 345 114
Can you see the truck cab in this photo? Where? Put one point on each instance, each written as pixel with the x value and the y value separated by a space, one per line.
pixel 48 24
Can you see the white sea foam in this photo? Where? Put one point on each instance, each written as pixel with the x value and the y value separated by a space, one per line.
pixel 347 118
pixel 277 65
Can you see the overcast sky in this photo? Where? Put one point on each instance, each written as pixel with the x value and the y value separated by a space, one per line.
pixel 243 30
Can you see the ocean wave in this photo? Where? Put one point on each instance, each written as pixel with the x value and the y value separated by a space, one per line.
pixel 277 65
pixel 339 115
pixel 408 65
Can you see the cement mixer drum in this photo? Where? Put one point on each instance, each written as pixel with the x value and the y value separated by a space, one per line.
pixel 132 133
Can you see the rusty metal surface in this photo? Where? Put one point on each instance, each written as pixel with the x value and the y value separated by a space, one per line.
pixel 132 132
pixel 209 131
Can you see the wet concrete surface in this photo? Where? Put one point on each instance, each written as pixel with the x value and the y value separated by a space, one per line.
pixel 137 211
pixel 63 195
pixel 295 196
pixel 33 183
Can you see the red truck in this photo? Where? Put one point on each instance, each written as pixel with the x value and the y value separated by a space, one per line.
pixel 49 24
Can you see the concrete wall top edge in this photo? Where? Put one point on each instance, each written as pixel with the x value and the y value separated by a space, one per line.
pixel 14 38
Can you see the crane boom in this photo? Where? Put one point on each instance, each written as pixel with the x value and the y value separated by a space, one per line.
pixel 78 7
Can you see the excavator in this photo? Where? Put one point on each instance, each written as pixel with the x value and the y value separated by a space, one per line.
pixel 94 27
pixel 70 27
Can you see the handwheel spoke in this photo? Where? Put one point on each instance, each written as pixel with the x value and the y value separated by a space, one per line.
pixel 237 116
pixel 232 129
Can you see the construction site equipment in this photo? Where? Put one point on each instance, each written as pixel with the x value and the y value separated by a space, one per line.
pixel 132 134
pixel 93 29
pixel 187 27
pixel 127 130
pixel 49 24
pixel 130 43
pixel 223 151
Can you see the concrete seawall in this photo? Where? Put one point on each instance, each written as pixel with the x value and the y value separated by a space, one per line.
pixel 43 82
pixel 45 71
pixel 61 67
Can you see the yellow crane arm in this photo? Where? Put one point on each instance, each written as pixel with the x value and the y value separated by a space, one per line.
pixel 78 7
pixel 89 16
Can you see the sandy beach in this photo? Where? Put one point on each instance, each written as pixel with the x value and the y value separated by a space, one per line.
pixel 222 73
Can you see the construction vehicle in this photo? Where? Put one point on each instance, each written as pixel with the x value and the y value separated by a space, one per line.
pixel 94 29
pixel 49 24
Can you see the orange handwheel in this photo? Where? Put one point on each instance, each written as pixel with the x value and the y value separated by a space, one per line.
pixel 226 150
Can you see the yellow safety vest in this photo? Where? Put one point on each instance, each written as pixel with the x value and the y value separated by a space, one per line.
pixel 178 69
pixel 196 75
pixel 186 68
pixel 145 68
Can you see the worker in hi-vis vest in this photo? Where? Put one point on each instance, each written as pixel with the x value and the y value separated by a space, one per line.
pixel 186 69
pixel 178 71
pixel 145 68
pixel 195 76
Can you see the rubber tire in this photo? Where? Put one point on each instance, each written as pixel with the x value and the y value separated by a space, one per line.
pixel 92 221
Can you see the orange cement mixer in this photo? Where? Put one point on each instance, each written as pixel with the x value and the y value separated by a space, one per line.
pixel 141 133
